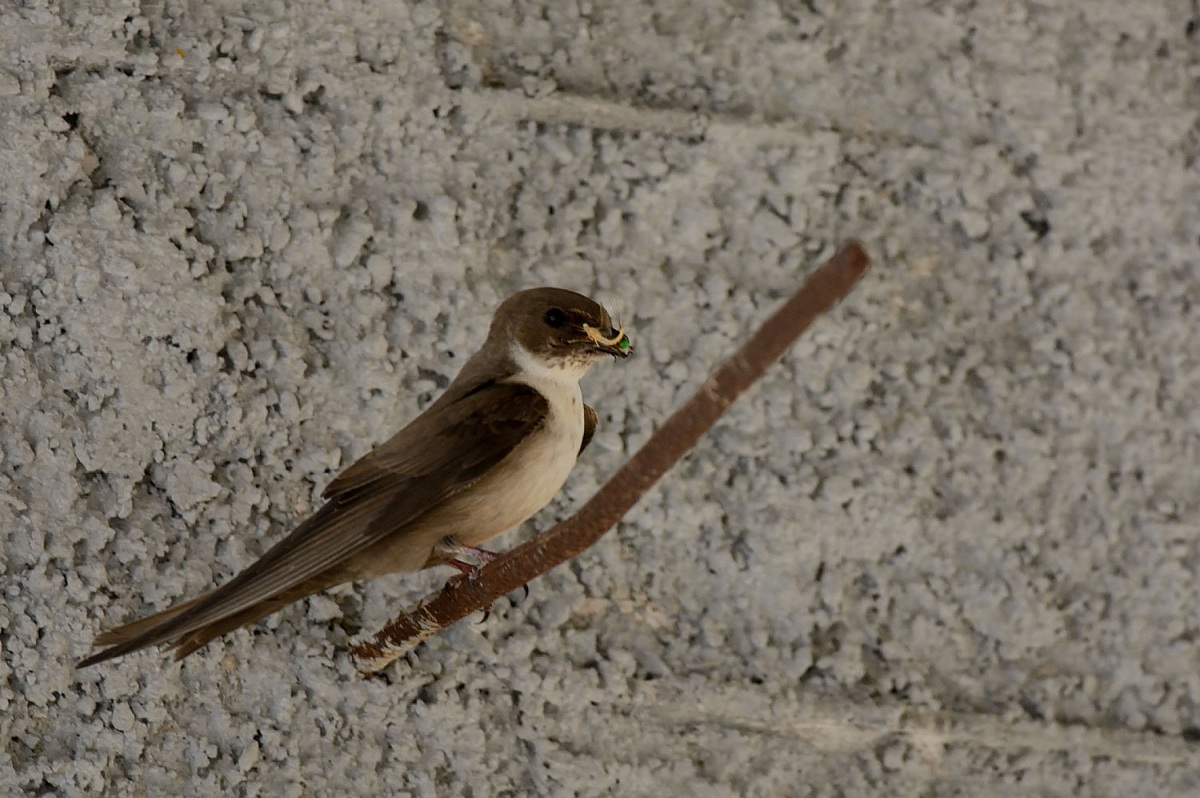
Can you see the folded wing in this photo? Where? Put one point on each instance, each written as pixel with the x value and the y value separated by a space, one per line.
pixel 442 452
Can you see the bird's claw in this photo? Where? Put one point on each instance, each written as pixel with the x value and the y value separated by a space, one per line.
pixel 468 572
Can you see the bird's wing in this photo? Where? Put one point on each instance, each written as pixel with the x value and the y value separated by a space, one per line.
pixel 441 453
pixel 589 427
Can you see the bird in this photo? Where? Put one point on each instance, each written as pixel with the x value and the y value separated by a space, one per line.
pixel 491 451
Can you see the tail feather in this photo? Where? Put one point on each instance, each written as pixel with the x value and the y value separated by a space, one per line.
pixel 163 627
pixel 127 632
pixel 198 638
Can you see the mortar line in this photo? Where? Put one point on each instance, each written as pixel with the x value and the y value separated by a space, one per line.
pixel 592 111
pixel 850 727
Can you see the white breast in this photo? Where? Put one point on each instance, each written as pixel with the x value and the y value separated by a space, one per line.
pixel 544 459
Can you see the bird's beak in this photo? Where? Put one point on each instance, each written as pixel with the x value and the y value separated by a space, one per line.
pixel 615 343
pixel 623 348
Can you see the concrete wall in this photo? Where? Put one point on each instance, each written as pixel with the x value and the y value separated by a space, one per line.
pixel 948 547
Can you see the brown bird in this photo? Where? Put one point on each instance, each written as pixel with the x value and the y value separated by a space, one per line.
pixel 489 453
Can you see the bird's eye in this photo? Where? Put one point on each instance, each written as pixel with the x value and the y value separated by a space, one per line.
pixel 555 317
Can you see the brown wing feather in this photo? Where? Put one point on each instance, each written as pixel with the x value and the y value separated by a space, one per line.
pixel 409 450
pixel 589 427
pixel 442 452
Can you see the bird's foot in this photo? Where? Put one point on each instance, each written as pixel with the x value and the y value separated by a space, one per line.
pixel 452 553
pixel 459 556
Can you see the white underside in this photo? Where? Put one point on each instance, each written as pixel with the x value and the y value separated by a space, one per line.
pixel 502 500
pixel 545 458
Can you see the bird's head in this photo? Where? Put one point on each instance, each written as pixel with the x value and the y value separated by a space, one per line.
pixel 559 330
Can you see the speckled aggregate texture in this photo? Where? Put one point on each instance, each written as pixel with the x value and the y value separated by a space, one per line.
pixel 947 547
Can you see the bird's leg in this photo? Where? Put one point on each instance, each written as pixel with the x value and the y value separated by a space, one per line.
pixel 451 552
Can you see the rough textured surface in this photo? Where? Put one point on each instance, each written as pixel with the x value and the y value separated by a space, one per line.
pixel 948 547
